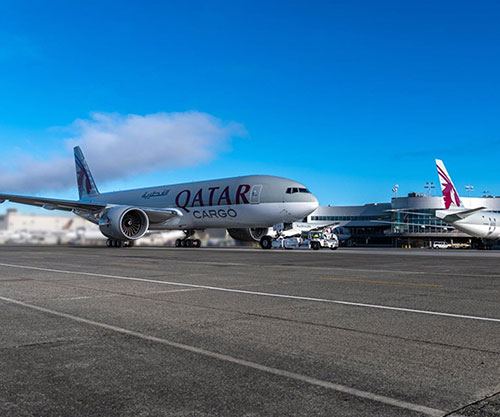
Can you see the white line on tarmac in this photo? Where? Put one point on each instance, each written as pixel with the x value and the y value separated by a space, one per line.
pixel 258 293
pixel 263 368
pixel 364 251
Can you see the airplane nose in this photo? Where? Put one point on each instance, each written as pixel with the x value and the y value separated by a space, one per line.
pixel 314 201
pixel 307 206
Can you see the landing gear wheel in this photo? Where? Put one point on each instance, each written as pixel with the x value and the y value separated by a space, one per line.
pixel 130 244
pixel 177 243
pixel 266 242
pixel 108 243
pixel 189 243
pixel 196 243
pixel 183 243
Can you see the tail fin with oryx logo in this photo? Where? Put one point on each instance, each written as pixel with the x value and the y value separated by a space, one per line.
pixel 450 193
pixel 86 184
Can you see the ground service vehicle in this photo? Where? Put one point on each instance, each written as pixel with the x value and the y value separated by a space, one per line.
pixel 314 240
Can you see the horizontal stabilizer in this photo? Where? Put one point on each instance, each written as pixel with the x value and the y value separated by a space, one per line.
pixel 450 216
pixel 466 213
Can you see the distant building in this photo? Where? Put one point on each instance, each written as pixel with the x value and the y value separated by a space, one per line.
pixel 363 222
pixel 22 228
pixel 405 221
pixel 14 220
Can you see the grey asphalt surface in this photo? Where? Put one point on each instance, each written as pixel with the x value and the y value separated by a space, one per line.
pixel 230 332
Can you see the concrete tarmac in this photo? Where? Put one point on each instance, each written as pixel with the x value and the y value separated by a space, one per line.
pixel 246 332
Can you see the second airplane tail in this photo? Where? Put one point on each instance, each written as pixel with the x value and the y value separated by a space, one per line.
pixel 450 193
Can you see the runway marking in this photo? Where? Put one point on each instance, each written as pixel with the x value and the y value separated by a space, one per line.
pixel 370 281
pixel 89 297
pixel 242 362
pixel 134 265
pixel 167 291
pixel 330 268
pixel 258 293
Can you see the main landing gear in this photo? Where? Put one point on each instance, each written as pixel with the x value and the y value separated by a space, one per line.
pixel 113 243
pixel 187 242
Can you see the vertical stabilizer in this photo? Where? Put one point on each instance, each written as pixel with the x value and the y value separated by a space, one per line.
pixel 450 193
pixel 86 184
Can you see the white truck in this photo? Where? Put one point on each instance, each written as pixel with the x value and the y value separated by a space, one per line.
pixel 310 239
pixel 441 245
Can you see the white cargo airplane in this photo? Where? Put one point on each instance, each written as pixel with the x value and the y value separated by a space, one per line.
pixel 247 206
pixel 476 222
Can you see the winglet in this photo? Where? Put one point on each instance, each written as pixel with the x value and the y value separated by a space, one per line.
pixel 86 184
pixel 450 193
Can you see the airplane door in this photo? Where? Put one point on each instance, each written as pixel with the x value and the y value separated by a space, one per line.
pixel 492 226
pixel 255 194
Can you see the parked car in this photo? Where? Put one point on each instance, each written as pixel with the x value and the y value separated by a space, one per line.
pixel 441 245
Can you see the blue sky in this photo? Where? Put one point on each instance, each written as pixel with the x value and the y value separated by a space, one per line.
pixel 349 97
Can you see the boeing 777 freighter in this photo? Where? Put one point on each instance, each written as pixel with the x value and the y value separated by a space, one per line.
pixel 247 206
pixel 476 222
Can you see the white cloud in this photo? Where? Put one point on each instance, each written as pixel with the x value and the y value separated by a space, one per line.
pixel 118 146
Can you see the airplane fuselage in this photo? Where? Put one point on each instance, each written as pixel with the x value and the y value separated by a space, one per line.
pixel 249 201
pixel 483 224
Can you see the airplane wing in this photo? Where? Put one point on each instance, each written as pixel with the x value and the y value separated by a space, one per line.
pixel 51 203
pixel 405 211
pixel 155 215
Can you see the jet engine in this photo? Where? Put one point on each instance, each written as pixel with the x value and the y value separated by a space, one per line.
pixel 124 223
pixel 248 235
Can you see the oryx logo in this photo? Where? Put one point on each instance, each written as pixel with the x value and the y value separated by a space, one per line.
pixel 82 177
pixel 450 194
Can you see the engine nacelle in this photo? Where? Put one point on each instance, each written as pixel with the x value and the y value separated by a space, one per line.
pixel 249 235
pixel 124 223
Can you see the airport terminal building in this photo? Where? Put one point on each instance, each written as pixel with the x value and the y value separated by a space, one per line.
pixel 404 222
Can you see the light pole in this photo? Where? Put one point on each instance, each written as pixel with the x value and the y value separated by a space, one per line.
pixel 469 188
pixel 429 186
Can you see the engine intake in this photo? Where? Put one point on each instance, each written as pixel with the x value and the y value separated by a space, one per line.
pixel 248 235
pixel 124 223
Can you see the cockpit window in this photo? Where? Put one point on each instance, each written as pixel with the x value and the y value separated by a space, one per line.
pixel 293 190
